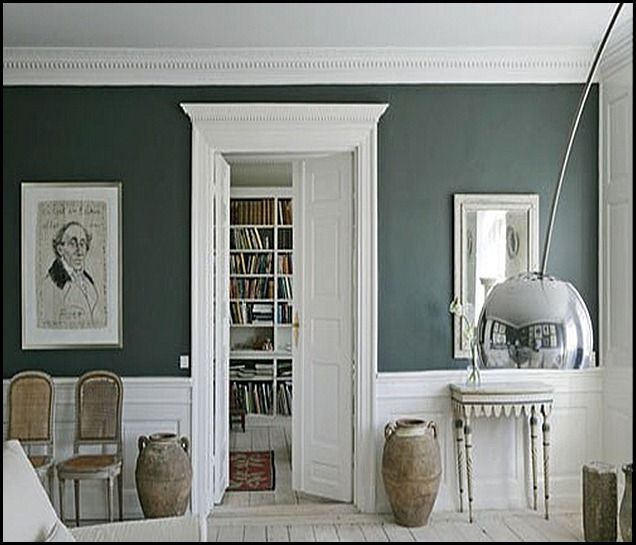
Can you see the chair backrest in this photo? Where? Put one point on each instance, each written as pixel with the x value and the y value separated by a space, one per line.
pixel 31 408
pixel 98 409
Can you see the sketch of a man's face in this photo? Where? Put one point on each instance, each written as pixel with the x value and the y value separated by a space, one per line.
pixel 72 244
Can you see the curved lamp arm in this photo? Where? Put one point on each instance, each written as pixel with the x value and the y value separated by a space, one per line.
pixel 575 125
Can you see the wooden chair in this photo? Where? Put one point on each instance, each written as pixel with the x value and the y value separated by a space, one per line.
pixel 31 414
pixel 98 416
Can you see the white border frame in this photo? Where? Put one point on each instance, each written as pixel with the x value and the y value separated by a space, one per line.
pixel 486 201
pixel 287 128
pixel 34 338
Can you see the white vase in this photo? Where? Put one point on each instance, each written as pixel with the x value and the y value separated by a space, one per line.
pixel 473 372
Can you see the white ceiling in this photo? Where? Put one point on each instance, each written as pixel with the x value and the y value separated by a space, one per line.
pixel 263 25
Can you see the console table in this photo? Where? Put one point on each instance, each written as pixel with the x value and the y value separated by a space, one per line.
pixel 501 399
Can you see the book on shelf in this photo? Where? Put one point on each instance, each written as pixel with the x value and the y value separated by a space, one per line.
pixel 251 264
pixel 252 211
pixel 285 288
pixel 285 264
pixel 285 239
pixel 285 212
pixel 251 288
pixel 251 238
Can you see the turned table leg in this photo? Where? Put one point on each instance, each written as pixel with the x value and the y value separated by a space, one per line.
pixel 533 452
pixel 546 460
pixel 459 441
pixel 468 439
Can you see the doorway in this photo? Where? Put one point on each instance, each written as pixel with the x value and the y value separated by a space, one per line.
pixel 290 334
pixel 286 128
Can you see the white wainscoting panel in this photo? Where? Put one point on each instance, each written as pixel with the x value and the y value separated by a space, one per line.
pixel 151 405
pixel 501 447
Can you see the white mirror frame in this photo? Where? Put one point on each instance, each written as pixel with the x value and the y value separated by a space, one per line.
pixel 464 203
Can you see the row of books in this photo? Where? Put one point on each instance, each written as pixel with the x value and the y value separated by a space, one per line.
pixel 285 216
pixel 284 398
pixel 285 288
pixel 242 313
pixel 284 314
pixel 285 264
pixel 252 211
pixel 252 288
pixel 250 370
pixel 251 264
pixel 251 238
pixel 285 239
pixel 252 397
pixel 284 369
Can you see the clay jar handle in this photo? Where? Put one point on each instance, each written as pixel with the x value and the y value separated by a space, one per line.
pixel 432 426
pixel 185 444
pixel 142 442
pixel 389 430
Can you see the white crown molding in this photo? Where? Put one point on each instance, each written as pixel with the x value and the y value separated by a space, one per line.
pixel 285 112
pixel 620 49
pixel 291 66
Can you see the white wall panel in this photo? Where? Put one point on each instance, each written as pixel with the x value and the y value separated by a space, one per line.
pixel 501 447
pixel 151 405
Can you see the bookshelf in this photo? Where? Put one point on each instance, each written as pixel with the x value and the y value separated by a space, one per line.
pixel 261 300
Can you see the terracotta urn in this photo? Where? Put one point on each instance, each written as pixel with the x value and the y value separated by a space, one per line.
pixel 163 475
pixel 411 469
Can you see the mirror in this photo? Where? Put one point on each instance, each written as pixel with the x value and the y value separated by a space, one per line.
pixel 496 236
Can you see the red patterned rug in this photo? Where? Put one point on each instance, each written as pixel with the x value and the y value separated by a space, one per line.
pixel 252 471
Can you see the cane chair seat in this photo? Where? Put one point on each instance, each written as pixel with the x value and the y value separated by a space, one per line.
pixel 93 463
pixel 31 417
pixel 98 415
pixel 41 462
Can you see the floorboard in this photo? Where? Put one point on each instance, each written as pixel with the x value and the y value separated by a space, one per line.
pixel 286 515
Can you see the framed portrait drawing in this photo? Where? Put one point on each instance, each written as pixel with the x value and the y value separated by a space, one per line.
pixel 71 265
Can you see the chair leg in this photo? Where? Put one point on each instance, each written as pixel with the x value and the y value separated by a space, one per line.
pixel 61 484
pixel 111 506
pixel 76 484
pixel 52 487
pixel 120 492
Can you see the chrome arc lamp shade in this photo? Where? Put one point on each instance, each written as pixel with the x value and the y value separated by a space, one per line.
pixel 534 320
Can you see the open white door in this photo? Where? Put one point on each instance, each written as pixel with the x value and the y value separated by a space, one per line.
pixel 322 416
pixel 222 327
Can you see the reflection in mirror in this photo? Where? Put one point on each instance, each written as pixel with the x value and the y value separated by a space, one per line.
pixel 496 236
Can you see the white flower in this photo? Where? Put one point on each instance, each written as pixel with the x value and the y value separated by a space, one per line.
pixel 468 329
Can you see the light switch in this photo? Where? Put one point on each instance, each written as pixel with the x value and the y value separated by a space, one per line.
pixel 184 361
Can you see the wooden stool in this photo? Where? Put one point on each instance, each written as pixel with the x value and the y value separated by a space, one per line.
pixel 237 415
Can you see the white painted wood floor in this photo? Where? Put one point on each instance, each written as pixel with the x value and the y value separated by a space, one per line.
pixel 284 515
pixel 267 433
pixel 498 526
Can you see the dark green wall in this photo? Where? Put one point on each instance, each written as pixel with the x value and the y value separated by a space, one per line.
pixel 434 141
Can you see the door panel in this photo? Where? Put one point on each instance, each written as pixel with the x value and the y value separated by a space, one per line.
pixel 617 264
pixel 222 329
pixel 323 420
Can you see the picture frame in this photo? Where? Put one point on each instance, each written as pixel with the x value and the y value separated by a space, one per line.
pixel 71 244
pixel 496 235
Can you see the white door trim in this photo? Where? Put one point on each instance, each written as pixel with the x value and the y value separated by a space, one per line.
pixel 288 128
